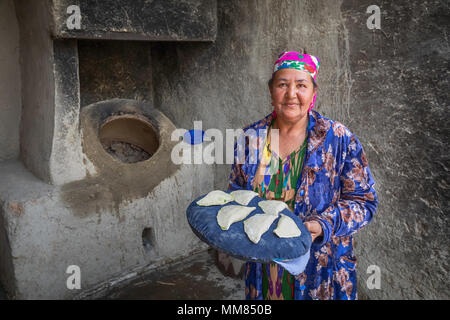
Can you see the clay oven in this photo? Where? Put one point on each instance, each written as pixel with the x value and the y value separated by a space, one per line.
pixel 95 186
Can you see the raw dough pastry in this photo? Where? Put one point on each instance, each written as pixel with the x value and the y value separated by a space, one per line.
pixel 287 228
pixel 243 196
pixel 272 206
pixel 231 214
pixel 257 225
pixel 215 198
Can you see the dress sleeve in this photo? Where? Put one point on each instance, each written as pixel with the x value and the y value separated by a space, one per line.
pixel 237 176
pixel 357 201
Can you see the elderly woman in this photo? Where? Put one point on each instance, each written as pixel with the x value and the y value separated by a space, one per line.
pixel 324 177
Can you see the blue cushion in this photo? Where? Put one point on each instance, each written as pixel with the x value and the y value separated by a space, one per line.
pixel 235 242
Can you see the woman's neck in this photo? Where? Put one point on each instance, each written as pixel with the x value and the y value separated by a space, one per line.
pixel 291 128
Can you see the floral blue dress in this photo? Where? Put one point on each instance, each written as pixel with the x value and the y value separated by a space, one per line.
pixel 335 188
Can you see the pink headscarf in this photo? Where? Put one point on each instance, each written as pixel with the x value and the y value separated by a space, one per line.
pixel 299 61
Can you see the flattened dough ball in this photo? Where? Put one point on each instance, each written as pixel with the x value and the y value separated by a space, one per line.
pixel 287 228
pixel 215 198
pixel 272 206
pixel 231 214
pixel 257 225
pixel 243 196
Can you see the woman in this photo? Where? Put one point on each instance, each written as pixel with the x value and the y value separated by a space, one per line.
pixel 322 175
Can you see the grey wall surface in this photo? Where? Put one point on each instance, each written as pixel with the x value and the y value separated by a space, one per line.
pixel 50 139
pixel 114 69
pixel 38 88
pixel 10 94
pixel 399 104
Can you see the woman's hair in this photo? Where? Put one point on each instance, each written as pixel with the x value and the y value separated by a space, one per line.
pixel 270 82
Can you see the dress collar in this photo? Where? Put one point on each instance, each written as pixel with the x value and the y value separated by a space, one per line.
pixel 267 120
pixel 318 127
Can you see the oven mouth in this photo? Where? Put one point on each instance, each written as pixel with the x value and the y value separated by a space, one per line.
pixel 128 138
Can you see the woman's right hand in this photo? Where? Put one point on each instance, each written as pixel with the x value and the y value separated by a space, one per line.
pixel 314 228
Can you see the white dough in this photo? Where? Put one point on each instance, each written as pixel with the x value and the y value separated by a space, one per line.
pixel 287 228
pixel 257 225
pixel 272 206
pixel 231 214
pixel 243 196
pixel 215 198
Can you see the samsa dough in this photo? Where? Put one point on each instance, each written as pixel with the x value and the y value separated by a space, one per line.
pixel 287 228
pixel 215 198
pixel 231 214
pixel 257 225
pixel 243 196
pixel 272 206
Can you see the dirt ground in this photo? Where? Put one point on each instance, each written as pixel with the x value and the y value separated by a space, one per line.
pixel 195 277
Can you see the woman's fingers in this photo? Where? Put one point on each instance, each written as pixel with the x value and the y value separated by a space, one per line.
pixel 314 228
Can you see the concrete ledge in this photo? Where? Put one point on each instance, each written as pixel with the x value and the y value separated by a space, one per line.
pixel 44 235
pixel 161 20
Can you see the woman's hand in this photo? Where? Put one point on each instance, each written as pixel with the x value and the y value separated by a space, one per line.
pixel 314 228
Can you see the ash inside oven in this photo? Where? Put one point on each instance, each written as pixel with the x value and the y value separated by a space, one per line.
pixel 126 152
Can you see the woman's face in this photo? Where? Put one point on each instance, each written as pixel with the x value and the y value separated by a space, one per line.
pixel 292 93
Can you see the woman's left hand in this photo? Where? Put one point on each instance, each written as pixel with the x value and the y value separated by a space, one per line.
pixel 314 228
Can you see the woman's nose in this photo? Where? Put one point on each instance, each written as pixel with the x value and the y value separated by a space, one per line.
pixel 291 92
